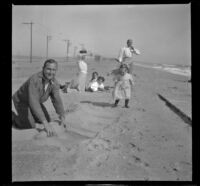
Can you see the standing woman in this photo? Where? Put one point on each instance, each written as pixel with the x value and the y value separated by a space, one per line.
pixel 82 73
pixel 126 55
pixel 79 83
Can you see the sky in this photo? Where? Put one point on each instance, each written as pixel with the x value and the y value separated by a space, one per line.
pixel 162 33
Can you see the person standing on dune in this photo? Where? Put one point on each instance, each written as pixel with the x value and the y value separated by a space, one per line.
pixel 29 98
pixel 126 55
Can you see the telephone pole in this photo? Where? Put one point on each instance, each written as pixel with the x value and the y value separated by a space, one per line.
pixel 75 48
pixel 48 39
pixel 31 23
pixel 82 46
pixel 68 45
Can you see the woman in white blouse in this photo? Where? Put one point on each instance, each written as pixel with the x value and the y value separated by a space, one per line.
pixel 82 73
pixel 78 83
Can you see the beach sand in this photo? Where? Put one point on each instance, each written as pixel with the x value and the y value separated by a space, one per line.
pixel 148 141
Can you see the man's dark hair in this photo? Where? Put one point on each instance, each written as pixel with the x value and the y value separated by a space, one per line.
pixel 50 61
pixel 129 40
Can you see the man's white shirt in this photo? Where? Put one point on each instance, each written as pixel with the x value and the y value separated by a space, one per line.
pixel 126 52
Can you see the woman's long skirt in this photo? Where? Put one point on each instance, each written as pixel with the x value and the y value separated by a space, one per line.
pixel 79 82
pixel 82 81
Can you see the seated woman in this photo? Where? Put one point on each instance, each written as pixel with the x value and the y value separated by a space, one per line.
pixel 93 79
pixel 80 81
pixel 97 85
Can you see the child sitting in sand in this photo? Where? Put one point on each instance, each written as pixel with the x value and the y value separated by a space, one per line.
pixel 100 81
pixel 97 85
pixel 123 86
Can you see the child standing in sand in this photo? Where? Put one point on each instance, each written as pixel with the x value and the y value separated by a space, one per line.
pixel 123 86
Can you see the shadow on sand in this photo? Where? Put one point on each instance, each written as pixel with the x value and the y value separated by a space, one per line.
pixel 99 104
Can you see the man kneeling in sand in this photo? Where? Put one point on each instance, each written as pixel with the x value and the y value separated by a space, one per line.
pixel 29 97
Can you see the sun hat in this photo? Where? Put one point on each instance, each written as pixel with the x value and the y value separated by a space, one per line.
pixel 83 52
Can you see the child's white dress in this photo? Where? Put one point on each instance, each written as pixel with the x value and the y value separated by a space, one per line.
pixel 122 89
pixel 101 86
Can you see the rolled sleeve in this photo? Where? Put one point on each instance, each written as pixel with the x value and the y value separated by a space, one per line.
pixel 56 100
pixel 34 100
pixel 136 51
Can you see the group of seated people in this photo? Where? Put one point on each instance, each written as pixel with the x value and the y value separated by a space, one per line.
pixel 95 84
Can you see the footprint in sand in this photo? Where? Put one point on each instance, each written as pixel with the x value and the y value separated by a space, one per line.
pixel 99 160
pixel 52 142
pixel 139 162
pixel 72 108
pixel 41 138
pixel 98 144
pixel 135 147
pixel 180 166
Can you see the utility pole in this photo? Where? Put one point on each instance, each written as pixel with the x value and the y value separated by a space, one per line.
pixel 68 44
pixel 31 23
pixel 48 39
pixel 75 48
pixel 82 46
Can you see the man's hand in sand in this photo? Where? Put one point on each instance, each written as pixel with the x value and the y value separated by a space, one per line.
pixel 49 129
pixel 63 122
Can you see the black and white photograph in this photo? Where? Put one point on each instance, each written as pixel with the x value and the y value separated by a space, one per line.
pixel 101 92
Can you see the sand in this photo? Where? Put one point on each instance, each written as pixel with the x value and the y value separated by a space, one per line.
pixel 147 141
